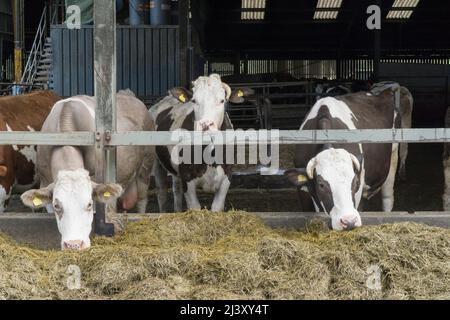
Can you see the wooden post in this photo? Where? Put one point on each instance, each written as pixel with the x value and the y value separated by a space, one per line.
pixel 105 93
pixel 183 19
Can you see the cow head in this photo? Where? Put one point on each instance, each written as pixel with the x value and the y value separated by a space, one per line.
pixel 72 196
pixel 333 179
pixel 209 96
pixel 7 175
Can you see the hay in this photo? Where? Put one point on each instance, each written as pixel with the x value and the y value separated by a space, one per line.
pixel 201 255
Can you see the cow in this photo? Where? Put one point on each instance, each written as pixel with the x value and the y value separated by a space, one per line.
pixel 203 110
pixel 17 163
pixel 406 109
pixel 65 172
pixel 335 177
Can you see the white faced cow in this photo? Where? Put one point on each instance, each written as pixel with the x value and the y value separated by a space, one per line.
pixel 204 110
pixel 65 171
pixel 334 178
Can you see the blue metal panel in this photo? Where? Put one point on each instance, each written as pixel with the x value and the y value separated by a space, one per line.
pixel 147 60
pixel 89 71
pixel 141 61
pixel 159 12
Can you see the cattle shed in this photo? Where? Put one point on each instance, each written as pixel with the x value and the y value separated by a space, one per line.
pixel 282 49
pixel 279 57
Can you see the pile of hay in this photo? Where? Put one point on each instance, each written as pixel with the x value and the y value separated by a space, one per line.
pixel 200 255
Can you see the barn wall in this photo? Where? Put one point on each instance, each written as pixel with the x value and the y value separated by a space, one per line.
pixel 147 60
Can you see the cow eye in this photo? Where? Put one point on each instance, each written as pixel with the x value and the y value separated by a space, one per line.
pixel 194 101
pixel 58 209
pixel 222 101
pixel 89 206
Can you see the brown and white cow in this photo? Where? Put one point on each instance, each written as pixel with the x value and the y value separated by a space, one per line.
pixel 65 171
pixel 334 178
pixel 405 112
pixel 17 163
pixel 406 109
pixel 202 110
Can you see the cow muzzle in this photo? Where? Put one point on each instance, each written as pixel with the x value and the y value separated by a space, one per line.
pixel 206 125
pixel 74 245
pixel 350 222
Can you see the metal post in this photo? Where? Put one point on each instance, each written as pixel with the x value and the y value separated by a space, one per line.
pixel 105 93
pixel 377 51
pixel 183 18
pixel 237 64
pixel 18 42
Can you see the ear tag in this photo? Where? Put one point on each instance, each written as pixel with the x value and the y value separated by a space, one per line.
pixel 106 194
pixel 302 178
pixel 182 98
pixel 37 201
pixel 240 93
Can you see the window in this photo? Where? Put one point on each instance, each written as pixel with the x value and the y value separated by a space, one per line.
pixel 327 9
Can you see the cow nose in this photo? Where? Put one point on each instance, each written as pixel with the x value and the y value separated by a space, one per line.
pixel 349 222
pixel 74 245
pixel 206 125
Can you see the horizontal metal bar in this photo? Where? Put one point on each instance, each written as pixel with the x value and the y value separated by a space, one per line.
pixel 238 137
pixel 283 137
pixel 49 139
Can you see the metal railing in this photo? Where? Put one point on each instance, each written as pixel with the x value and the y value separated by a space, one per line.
pixel 37 50
pixel 162 138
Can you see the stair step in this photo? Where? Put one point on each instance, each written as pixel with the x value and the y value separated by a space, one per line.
pixel 42 73
pixel 44 67
pixel 46 62
pixel 41 80
pixel 47 55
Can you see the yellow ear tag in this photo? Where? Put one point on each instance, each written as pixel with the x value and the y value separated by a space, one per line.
pixel 37 201
pixel 240 93
pixel 301 178
pixel 182 98
pixel 106 194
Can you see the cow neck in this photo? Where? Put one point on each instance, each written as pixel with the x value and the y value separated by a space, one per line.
pixel 324 123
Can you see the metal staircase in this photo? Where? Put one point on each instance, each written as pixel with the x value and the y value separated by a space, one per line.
pixel 43 74
pixel 37 72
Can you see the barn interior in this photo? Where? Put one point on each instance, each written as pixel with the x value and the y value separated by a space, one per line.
pixel 283 49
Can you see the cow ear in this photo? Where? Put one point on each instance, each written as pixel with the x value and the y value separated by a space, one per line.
pixel 3 171
pixel 38 198
pixel 106 193
pixel 297 177
pixel 238 95
pixel 182 94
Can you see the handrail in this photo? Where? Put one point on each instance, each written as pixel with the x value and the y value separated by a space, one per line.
pixel 30 70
